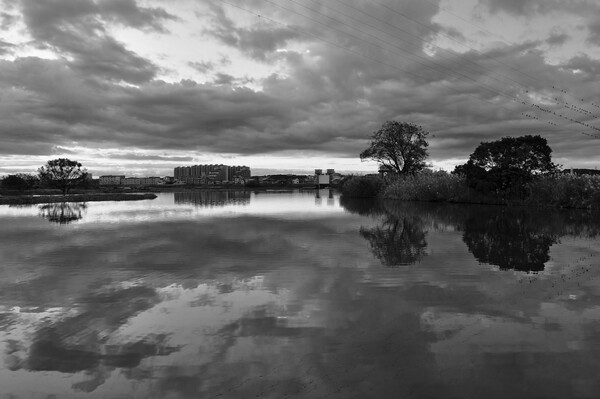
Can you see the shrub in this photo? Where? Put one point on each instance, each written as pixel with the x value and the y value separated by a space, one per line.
pixel 361 186
pixel 565 191
pixel 20 182
pixel 428 186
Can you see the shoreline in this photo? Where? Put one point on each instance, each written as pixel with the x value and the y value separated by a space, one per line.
pixel 44 199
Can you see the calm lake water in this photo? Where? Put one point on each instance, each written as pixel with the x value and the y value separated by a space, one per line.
pixel 297 295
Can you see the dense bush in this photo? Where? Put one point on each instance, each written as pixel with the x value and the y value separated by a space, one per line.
pixel 504 167
pixel 557 190
pixel 20 182
pixel 565 191
pixel 361 186
pixel 428 186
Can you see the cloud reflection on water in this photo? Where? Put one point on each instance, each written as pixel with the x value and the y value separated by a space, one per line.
pixel 266 305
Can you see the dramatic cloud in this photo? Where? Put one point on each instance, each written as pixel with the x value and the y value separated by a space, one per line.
pixel 276 78
pixel 78 29
pixel 594 37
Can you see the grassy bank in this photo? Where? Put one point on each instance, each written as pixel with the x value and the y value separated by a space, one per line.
pixel 42 199
pixel 361 186
pixel 565 191
pixel 556 191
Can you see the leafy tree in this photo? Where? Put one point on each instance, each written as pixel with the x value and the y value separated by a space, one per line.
pixel 19 181
pixel 506 165
pixel 62 173
pixel 398 146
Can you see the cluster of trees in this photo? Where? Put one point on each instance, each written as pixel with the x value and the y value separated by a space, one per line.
pixel 507 165
pixel 61 173
pixel 502 166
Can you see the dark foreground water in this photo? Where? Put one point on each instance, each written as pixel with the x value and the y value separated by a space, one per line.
pixel 293 295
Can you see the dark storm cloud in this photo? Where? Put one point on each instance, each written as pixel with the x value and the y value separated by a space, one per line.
pixel 329 97
pixel 589 67
pixel 557 39
pixel 257 42
pixel 128 13
pixel 594 33
pixel 531 7
pixel 78 29
pixel 142 157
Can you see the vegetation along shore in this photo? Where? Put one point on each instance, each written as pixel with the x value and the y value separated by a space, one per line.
pixel 42 199
pixel 508 171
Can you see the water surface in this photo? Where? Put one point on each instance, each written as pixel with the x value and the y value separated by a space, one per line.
pixel 297 295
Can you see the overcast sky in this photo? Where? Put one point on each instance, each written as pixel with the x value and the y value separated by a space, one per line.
pixel 138 87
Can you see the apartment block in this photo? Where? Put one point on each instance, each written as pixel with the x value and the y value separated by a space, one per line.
pixel 211 174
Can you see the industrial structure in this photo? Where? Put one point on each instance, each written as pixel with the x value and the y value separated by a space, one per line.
pixel 323 180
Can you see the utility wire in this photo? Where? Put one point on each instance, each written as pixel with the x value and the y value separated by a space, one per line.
pixel 497 91
pixel 519 69
pixel 565 105
pixel 375 59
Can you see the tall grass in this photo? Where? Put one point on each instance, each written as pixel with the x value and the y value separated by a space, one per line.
pixel 428 186
pixel 565 191
pixel 361 186
pixel 557 191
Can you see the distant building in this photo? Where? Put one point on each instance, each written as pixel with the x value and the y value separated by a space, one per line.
pixel 211 174
pixel 121 180
pixel 111 180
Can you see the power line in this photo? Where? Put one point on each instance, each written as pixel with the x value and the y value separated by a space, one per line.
pixel 524 88
pixel 386 42
pixel 371 58
pixel 503 41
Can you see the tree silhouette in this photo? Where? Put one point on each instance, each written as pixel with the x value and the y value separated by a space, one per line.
pixel 398 146
pixel 62 173
pixel 509 238
pixel 506 165
pixel 398 240
pixel 19 181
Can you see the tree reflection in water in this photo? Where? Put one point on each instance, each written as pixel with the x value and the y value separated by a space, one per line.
pixel 63 212
pixel 399 239
pixel 510 238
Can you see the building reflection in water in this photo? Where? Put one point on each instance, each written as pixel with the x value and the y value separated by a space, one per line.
pixel 63 212
pixel 213 198
pixel 324 193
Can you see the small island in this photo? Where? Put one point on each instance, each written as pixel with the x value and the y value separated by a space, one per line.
pixel 63 174
pixel 44 199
